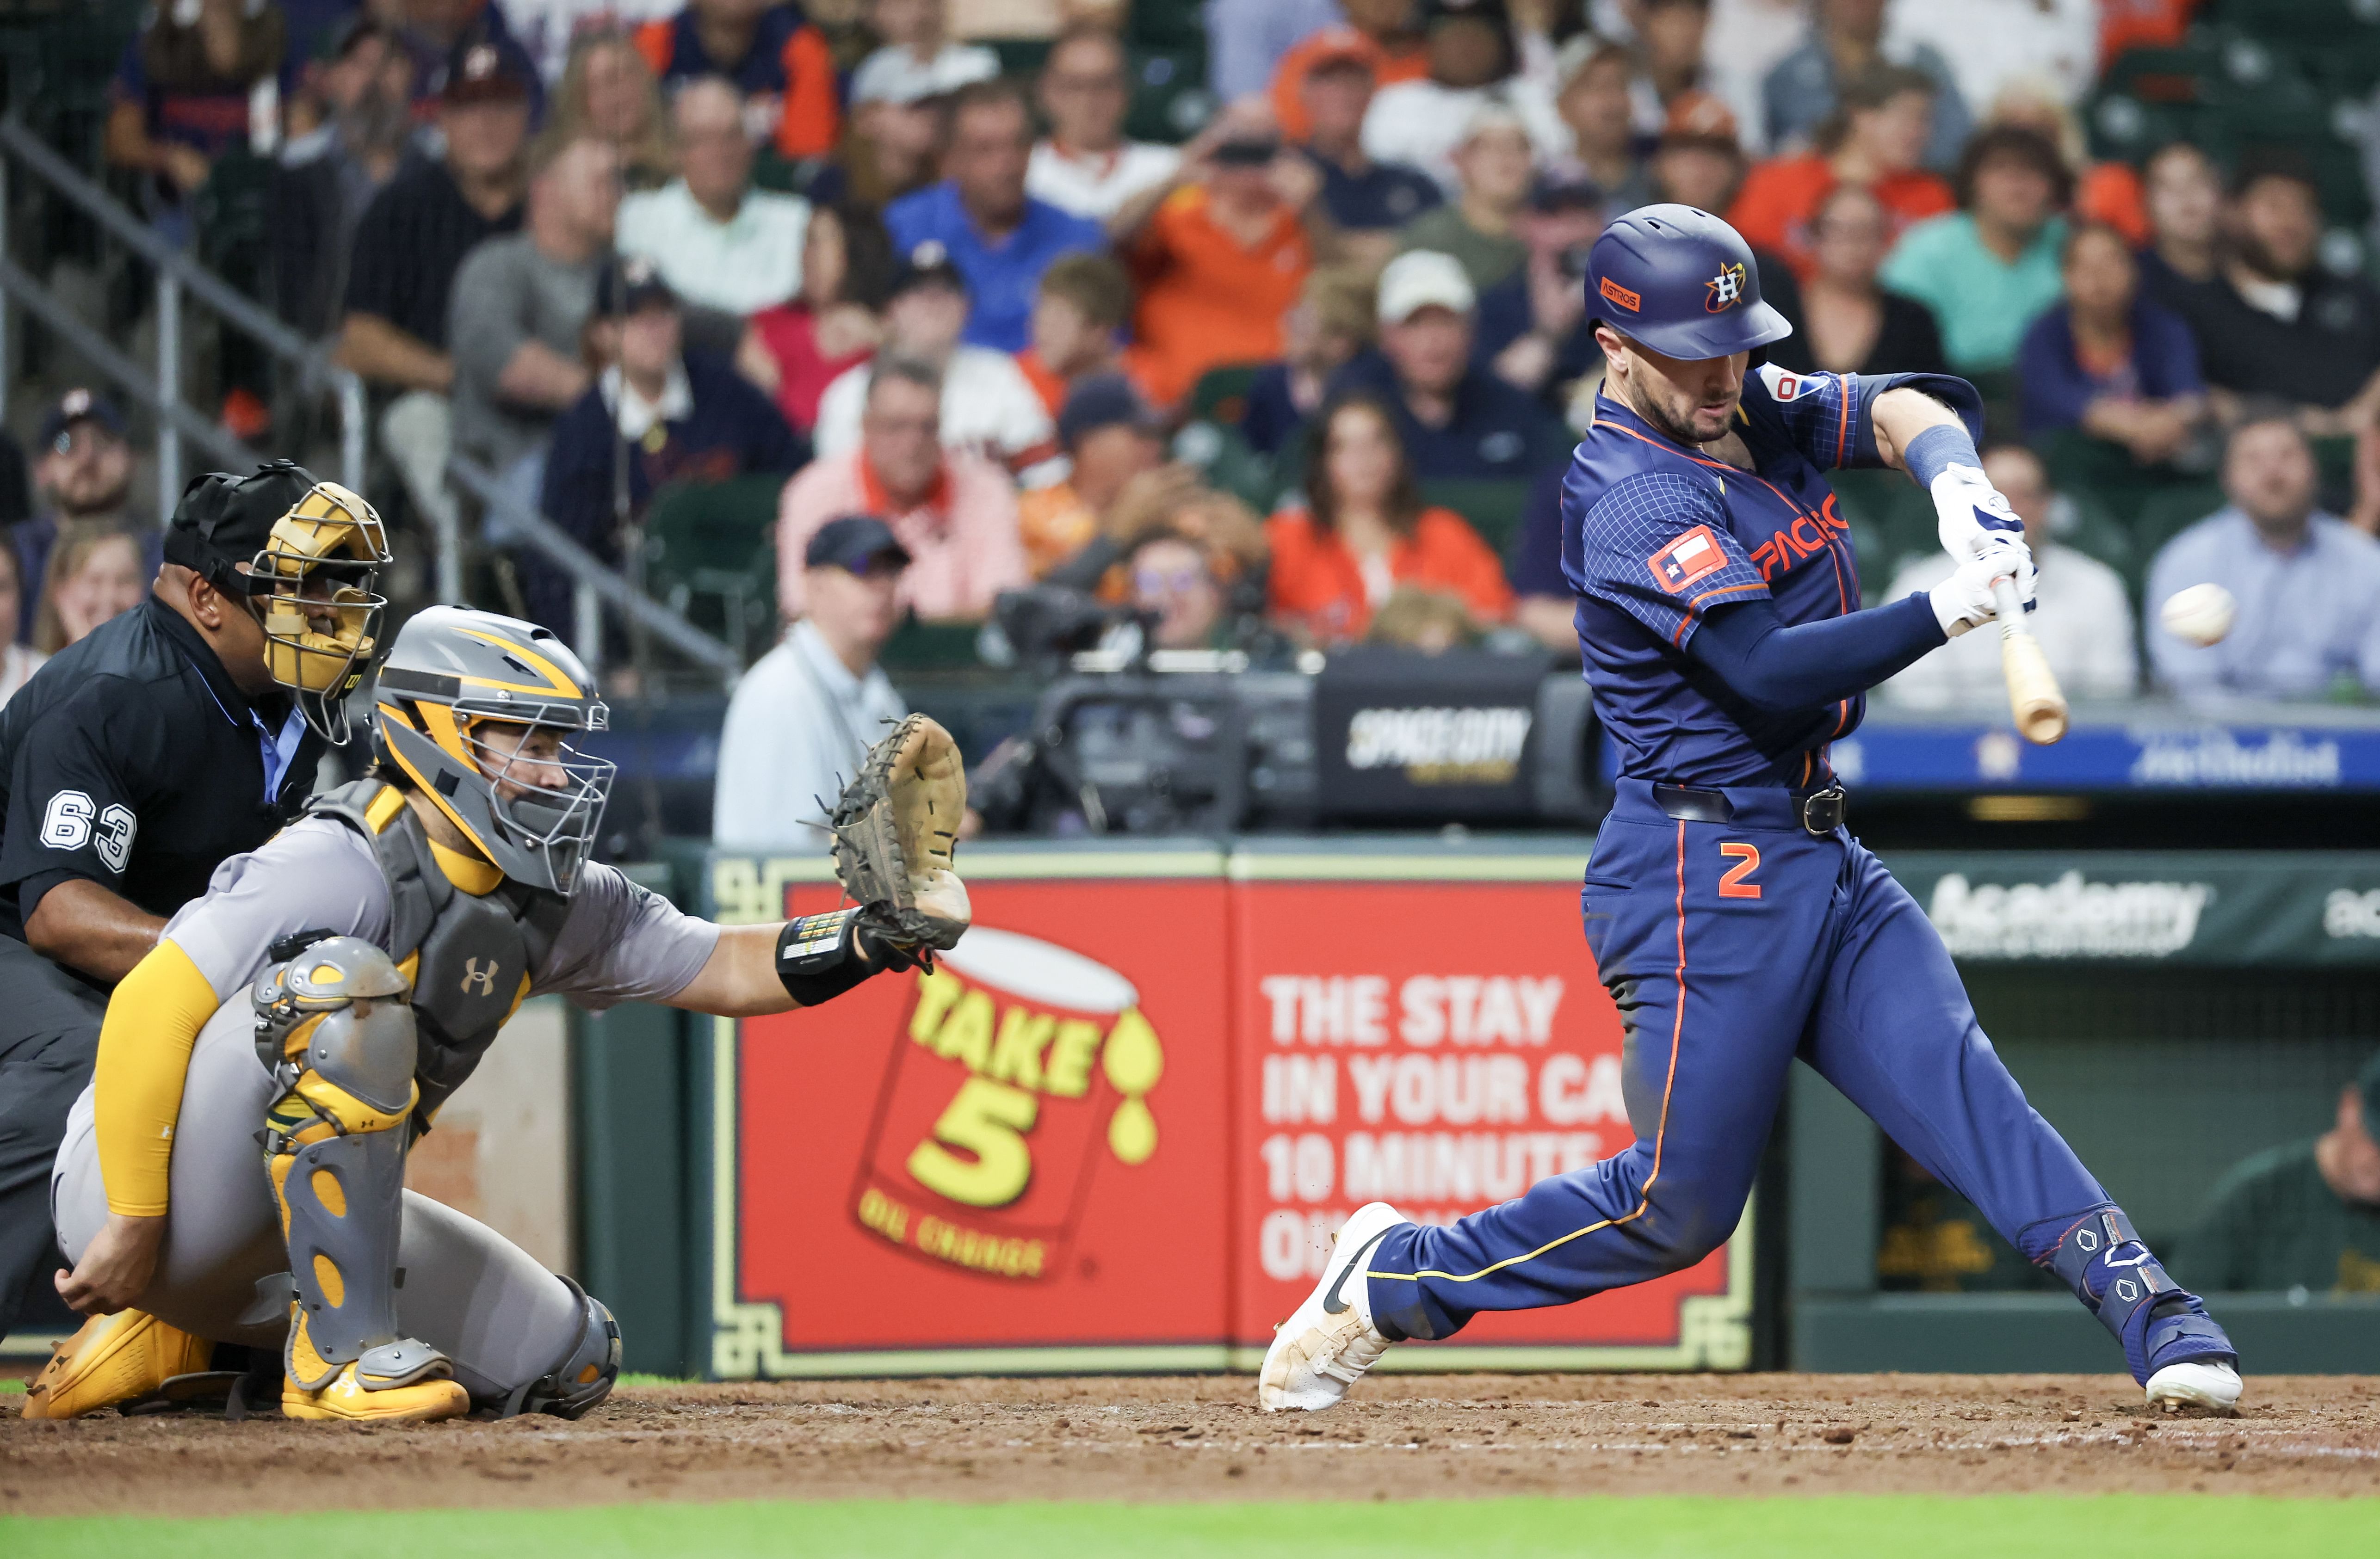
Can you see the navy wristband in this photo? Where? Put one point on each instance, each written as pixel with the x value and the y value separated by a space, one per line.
pixel 1936 449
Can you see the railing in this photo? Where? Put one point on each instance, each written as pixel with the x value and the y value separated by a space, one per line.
pixel 592 581
pixel 176 274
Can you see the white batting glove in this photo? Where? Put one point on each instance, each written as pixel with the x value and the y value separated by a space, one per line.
pixel 1969 511
pixel 1964 600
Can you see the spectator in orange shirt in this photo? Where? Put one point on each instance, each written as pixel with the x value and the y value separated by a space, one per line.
pixel 1383 32
pixel 1365 533
pixel 1078 308
pixel 1110 437
pixel 1219 257
pixel 779 62
pixel 1875 139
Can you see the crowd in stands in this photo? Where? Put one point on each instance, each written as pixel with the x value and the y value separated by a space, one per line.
pixel 1327 356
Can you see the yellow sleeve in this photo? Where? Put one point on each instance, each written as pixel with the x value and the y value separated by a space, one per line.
pixel 144 1052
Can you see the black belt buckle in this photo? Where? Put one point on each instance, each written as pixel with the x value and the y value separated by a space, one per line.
pixel 1822 811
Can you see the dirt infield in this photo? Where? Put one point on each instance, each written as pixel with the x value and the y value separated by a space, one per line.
pixel 1407 1436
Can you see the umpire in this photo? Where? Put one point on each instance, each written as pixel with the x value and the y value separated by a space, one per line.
pixel 180 734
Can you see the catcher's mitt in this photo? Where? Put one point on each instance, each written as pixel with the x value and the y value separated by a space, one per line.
pixel 896 826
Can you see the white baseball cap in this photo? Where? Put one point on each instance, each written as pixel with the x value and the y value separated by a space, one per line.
pixel 1420 280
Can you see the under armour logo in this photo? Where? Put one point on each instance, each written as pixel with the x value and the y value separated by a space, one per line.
pixel 1726 290
pixel 484 978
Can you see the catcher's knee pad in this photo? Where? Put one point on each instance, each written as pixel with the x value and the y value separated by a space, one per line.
pixel 2159 1322
pixel 334 1024
pixel 583 1374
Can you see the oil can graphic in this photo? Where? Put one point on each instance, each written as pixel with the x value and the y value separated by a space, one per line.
pixel 1021 1067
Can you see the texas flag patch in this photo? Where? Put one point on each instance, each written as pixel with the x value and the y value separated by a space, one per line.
pixel 1689 558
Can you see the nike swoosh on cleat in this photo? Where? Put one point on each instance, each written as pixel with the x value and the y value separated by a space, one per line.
pixel 1331 1303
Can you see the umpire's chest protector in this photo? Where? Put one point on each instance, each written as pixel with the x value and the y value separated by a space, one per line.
pixel 469 958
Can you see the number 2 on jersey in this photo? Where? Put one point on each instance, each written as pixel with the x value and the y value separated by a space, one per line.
pixel 1732 885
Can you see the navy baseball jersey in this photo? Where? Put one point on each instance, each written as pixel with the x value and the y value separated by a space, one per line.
pixel 1654 536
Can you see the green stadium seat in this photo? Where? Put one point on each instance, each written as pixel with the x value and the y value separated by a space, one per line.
pixel 929 646
pixel 711 555
pixel 1223 458
pixel 1020 57
pixel 1169 99
pixel 1493 507
pixel 1168 24
pixel 1221 395
pixel 2167 514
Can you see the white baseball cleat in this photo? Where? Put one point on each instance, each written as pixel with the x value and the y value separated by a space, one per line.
pixel 2201 1382
pixel 1328 1343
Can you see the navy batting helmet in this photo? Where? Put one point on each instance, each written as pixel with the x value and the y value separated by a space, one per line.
pixel 1682 282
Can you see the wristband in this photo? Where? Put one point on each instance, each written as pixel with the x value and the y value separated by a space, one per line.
pixel 1937 449
pixel 818 956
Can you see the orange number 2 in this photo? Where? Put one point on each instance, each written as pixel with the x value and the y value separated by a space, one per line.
pixel 1747 861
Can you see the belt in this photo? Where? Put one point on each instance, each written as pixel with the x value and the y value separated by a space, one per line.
pixel 1822 812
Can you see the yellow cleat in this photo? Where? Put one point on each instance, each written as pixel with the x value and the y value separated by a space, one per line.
pixel 114 1358
pixel 422 1402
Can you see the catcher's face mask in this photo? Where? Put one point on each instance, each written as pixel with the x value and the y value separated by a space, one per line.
pixel 311 589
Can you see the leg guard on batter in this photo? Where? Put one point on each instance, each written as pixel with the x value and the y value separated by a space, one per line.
pixel 2159 1322
pixel 335 1025
pixel 583 1376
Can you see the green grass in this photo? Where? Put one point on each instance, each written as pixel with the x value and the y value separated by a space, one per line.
pixel 8 1387
pixel 1834 1527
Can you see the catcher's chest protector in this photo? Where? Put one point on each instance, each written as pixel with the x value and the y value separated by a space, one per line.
pixel 475 953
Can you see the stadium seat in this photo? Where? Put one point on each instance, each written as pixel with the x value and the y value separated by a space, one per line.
pixel 710 554
pixel 1227 463
pixel 929 646
pixel 1168 24
pixel 1020 57
pixel 1169 99
pixel 1220 395
pixel 2166 514
pixel 1493 507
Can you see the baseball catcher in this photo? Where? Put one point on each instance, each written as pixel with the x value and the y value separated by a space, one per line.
pixel 368 956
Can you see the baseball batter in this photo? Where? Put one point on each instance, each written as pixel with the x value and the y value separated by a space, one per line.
pixel 1735 920
pixel 236 1169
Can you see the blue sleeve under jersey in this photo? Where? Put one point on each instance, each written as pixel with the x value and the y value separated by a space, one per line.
pixel 1656 546
pixel 1825 415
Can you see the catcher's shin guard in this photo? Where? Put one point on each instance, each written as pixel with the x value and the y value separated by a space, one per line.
pixel 335 1025
pixel 113 1359
pixel 583 1374
pixel 2160 1322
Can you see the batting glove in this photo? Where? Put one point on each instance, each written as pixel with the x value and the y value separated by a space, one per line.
pixel 1964 600
pixel 1969 512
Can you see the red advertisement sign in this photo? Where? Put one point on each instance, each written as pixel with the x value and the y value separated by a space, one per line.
pixel 1440 1046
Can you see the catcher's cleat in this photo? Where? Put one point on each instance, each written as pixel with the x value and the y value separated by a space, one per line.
pixel 1328 1343
pixel 114 1359
pixel 2198 1382
pixel 347 1398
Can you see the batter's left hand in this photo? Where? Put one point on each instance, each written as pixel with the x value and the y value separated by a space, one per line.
pixel 1969 512
pixel 115 1266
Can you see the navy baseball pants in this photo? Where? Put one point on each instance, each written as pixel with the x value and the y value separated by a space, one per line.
pixel 1730 948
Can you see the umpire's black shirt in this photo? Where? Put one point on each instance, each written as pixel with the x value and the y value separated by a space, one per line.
pixel 132 761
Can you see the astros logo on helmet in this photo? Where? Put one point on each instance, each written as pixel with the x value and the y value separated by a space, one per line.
pixel 1726 290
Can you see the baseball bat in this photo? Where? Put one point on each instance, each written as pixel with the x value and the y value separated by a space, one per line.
pixel 2033 696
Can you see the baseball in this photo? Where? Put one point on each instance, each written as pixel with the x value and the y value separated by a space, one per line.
pixel 2201 614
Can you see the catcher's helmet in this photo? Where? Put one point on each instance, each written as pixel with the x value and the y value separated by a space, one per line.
pixel 453 670
pixel 1682 282
pixel 304 556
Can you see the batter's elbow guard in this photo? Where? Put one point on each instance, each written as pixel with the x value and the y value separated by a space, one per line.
pixel 819 956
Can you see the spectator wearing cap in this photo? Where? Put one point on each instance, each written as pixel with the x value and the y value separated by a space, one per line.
pixel 918 59
pixel 2300 1218
pixel 410 242
pixel 1220 254
pixel 1383 37
pixel 1478 227
pixel 1079 313
pixel 1365 531
pixel 1474 59
pixel 666 413
pixel 1110 437
pixel 832 325
pixel 719 242
pixel 1848 321
pixel 443 37
pixel 1990 268
pixel 520 304
pixel 1697 161
pixel 1596 105
pixel 83 478
pixel 197 80
pixel 1532 330
pixel 892 146
pixel 1802 92
pixel 1000 237
pixel 1453 419
pixel 1330 324
pixel 2276 323
pixel 804 717
pixel 777 61
pixel 1246 41
pixel 954 512
pixel 989 408
pixel 1875 139
pixel 1085 164
pixel 326 178
pixel 1366 201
